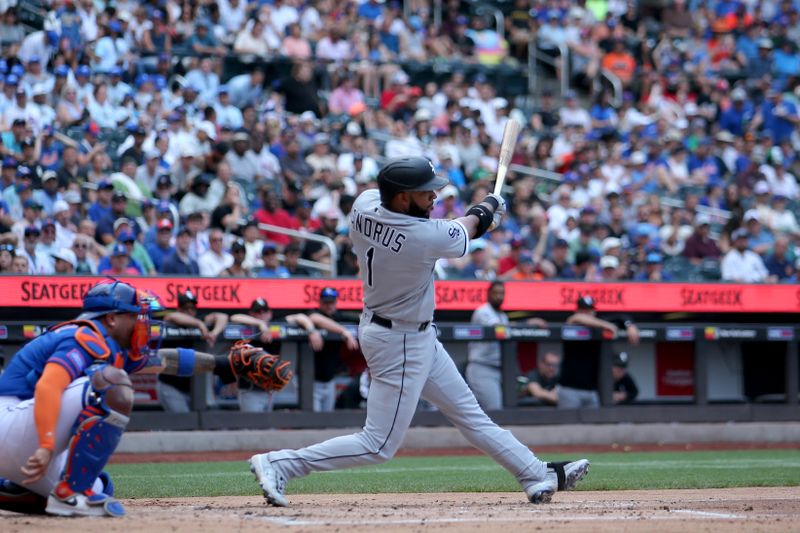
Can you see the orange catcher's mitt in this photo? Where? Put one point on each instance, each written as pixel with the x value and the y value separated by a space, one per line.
pixel 264 370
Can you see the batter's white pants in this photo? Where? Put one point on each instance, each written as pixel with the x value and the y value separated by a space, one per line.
pixel 405 363
pixel 19 439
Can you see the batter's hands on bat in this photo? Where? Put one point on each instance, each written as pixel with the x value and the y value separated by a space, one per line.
pixel 499 212
pixel 36 466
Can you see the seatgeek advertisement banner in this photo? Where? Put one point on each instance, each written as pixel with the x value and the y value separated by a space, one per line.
pixel 237 293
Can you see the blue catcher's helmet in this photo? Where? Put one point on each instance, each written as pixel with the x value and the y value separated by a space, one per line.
pixel 110 296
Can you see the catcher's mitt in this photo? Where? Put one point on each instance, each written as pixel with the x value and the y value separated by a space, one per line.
pixel 265 371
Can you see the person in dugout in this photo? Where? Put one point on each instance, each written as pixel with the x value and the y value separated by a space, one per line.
pixel 251 398
pixel 173 391
pixel 66 399
pixel 581 364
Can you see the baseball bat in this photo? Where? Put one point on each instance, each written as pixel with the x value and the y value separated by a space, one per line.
pixel 510 134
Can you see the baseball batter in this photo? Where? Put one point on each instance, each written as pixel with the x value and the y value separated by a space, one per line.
pixel 397 246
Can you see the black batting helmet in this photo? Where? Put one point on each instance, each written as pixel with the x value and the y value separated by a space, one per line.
pixel 408 174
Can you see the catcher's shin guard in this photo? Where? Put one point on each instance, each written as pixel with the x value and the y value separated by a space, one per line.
pixel 97 433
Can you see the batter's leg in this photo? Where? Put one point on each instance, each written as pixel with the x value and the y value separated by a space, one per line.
pixel 447 390
pixel 399 364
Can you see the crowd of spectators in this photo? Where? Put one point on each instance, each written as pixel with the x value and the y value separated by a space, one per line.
pixel 127 148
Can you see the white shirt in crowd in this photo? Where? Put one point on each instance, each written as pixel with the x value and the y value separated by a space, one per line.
pixel 212 263
pixel 747 267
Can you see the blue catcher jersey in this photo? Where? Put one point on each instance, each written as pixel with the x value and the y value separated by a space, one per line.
pixel 71 345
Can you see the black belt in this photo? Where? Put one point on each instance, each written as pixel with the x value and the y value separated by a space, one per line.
pixel 386 323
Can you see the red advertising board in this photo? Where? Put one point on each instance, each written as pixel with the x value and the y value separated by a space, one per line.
pixel 233 293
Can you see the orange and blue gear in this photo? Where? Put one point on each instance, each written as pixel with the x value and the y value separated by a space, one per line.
pixel 45 367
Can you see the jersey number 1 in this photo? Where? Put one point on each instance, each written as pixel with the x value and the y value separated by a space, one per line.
pixel 370 256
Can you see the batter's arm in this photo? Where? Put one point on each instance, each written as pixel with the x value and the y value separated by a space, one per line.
pixel 470 223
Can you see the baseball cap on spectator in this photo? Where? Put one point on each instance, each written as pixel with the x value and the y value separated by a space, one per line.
pixel 258 305
pixel 526 258
pixel 115 71
pixel 750 215
pixel 653 258
pixel 187 297
pixel 321 138
pixel 126 236
pixel 12 80
pixel 184 230
pixel 638 158
pixel 761 187
pixel 164 180
pixel 105 185
pixel 10 162
pixel 450 191
pixel 561 243
pixel 476 245
pixel 31 204
pixel 92 129
pixel 776 155
pixel 152 153
pixel 586 302
pixel 39 89
pixel 620 360
pixel 19 122
pixel 740 233
pixel 115 26
pixel 738 95
pixel 609 243
pixel 49 175
pixel 83 70
pixel 422 115
pixel 353 129
pixel 65 254
pixel 119 250
pixel 32 230
pixel 702 219
pixel 269 248
pixel 609 261
pixel 164 224
pixel 238 246
pixel 119 196
pixel 62 71
pixel 328 294
pixel 765 43
pixel 725 136
pixel 23 172
pixel 208 128
pixel 121 221
pixel 60 206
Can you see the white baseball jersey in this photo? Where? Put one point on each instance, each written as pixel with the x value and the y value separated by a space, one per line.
pixel 401 250
pixel 487 353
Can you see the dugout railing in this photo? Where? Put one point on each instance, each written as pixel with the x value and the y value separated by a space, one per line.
pixel 776 346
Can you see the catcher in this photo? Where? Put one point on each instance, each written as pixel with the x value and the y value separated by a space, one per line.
pixel 66 398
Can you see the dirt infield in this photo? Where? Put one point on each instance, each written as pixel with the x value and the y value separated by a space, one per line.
pixel 710 510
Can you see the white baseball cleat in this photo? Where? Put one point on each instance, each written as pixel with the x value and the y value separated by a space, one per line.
pixel 271 483
pixel 559 476
pixel 62 501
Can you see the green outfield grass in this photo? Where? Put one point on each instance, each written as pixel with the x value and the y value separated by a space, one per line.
pixel 648 470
